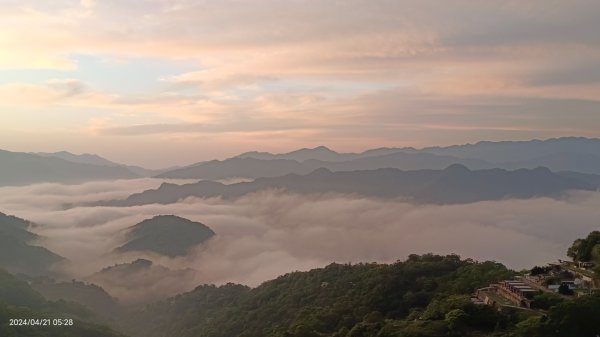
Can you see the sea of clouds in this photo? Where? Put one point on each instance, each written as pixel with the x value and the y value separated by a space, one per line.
pixel 267 234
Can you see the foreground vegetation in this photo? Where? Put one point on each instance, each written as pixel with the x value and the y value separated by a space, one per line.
pixel 19 301
pixel 424 296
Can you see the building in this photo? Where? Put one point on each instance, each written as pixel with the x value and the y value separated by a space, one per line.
pixel 517 292
pixel 513 291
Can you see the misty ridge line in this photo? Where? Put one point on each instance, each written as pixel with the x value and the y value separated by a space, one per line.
pixel 558 154
pixel 262 235
pixel 455 184
pixel 282 220
pixel 575 154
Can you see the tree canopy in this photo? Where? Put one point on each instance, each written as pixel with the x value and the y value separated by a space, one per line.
pixel 582 249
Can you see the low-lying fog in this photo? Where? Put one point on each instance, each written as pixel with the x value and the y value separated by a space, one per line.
pixel 264 235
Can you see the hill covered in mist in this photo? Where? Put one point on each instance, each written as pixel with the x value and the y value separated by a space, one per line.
pixel 19 301
pixel 24 168
pixel 18 254
pixel 94 159
pixel 424 296
pixel 561 154
pixel 488 151
pixel 166 234
pixel 454 185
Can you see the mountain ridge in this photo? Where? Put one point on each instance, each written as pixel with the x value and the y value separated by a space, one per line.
pixel 455 184
pixel 15 241
pixel 19 168
pixel 168 235
pixel 569 155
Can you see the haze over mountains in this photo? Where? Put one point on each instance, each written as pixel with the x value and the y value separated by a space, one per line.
pixel 301 209
pixel 560 154
pixel 19 168
pixel 455 184
pixel 48 273
pixel 141 280
pixel 93 159
pixel 269 168
pixel 90 295
pixel 274 225
pixel 256 168
pixel 18 254
pixel 24 168
pixel 166 234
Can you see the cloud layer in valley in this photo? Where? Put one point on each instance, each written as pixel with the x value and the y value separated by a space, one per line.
pixel 267 234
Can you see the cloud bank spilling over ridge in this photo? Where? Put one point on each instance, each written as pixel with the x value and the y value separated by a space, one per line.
pixel 266 234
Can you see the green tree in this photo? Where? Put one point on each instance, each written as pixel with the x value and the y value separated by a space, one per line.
pixel 545 301
pixel 581 249
pixel 456 319
pixel 565 290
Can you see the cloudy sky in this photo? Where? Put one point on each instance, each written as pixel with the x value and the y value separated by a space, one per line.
pixel 171 82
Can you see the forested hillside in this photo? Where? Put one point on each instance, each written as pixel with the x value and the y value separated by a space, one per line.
pixel 18 254
pixel 338 300
pixel 424 296
pixel 19 301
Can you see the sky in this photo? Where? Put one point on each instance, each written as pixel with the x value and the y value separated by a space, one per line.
pixel 161 83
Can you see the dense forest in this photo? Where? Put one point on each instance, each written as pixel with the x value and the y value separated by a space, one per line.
pixel 424 296
pixel 19 301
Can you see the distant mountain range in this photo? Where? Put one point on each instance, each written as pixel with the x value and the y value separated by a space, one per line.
pixel 559 154
pixel 249 167
pixel 20 168
pixel 493 152
pixel 17 254
pixel 517 151
pixel 93 159
pixel 24 168
pixel 167 235
pixel 455 184
pixel 320 153
pixel 563 154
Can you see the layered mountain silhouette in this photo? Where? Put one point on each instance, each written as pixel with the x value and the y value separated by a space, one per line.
pixel 143 279
pixel 493 152
pixel 562 154
pixel 94 159
pixel 19 168
pixel 563 161
pixel 239 167
pixel 517 151
pixel 167 235
pixel 90 295
pixel 256 168
pixel 319 153
pixel 455 184
pixel 559 154
pixel 18 299
pixel 18 254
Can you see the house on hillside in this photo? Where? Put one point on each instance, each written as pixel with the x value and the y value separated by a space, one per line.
pixel 510 292
pixel 586 265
